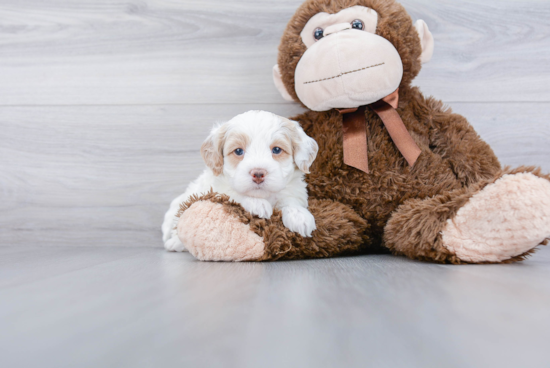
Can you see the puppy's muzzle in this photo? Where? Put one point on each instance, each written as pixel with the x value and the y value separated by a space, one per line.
pixel 258 175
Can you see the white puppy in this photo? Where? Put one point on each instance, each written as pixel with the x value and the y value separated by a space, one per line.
pixel 258 159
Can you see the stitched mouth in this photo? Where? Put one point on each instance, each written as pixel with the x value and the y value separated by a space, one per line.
pixel 342 74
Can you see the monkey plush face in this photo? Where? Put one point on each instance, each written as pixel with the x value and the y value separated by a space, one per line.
pixel 345 54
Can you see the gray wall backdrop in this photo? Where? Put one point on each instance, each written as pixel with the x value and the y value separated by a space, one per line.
pixel 104 103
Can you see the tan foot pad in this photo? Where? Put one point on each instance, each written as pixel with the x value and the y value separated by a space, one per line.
pixel 504 220
pixel 210 234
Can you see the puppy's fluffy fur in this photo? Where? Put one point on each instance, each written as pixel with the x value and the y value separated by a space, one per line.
pixel 259 160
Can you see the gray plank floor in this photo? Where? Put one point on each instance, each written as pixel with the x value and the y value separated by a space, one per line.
pixel 103 106
pixel 139 307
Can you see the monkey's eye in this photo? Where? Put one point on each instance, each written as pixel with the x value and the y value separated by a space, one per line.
pixel 318 34
pixel 276 150
pixel 239 152
pixel 357 24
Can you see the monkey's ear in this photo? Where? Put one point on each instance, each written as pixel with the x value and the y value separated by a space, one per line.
pixel 426 41
pixel 212 150
pixel 278 80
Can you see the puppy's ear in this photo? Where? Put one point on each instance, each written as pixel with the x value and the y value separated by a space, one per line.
pixel 304 147
pixel 212 149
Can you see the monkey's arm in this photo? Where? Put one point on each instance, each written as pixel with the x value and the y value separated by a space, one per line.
pixel 214 228
pixel 452 137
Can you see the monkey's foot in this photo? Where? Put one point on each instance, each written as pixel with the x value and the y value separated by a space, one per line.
pixel 211 233
pixel 504 221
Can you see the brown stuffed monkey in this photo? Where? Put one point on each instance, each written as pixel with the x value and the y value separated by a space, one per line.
pixel 395 169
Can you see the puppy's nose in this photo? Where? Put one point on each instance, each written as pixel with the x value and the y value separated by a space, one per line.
pixel 258 175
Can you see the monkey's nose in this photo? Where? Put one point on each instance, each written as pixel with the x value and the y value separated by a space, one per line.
pixel 258 175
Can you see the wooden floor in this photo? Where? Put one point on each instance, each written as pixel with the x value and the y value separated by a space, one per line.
pixel 103 107
pixel 141 307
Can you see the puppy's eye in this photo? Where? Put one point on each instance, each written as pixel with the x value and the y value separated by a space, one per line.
pixel 318 34
pixel 276 150
pixel 357 24
pixel 239 152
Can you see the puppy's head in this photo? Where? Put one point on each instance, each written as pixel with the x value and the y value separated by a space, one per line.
pixel 258 152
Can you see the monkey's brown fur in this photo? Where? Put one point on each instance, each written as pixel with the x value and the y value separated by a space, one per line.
pixel 402 208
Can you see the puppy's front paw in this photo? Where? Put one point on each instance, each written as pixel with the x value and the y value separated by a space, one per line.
pixel 258 207
pixel 174 244
pixel 299 220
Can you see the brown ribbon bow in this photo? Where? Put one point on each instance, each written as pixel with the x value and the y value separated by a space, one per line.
pixel 355 132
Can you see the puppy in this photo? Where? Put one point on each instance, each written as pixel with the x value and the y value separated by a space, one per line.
pixel 259 160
